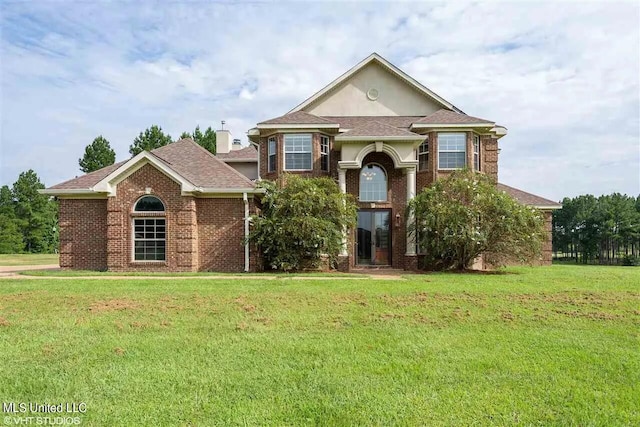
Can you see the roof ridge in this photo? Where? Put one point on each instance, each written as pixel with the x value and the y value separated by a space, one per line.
pixel 211 155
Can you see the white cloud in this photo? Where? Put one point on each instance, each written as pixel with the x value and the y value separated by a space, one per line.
pixel 563 77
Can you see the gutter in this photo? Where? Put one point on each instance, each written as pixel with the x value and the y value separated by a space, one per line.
pixel 257 148
pixel 246 232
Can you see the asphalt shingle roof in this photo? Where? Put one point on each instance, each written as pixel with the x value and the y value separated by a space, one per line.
pixel 450 117
pixel 246 153
pixel 187 158
pixel 375 128
pixel 352 122
pixel 527 198
pixel 295 118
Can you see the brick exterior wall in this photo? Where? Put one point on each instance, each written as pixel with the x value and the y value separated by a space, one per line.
pixel 221 235
pixel 83 234
pixel 201 234
pixel 316 168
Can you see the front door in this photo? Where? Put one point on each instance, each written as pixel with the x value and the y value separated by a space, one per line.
pixel 374 237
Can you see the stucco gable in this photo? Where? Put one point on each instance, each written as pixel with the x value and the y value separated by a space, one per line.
pixel 374 87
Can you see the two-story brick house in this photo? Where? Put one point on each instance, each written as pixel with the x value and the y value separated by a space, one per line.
pixel 381 134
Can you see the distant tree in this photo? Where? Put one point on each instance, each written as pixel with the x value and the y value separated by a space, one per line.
pixel 302 220
pixel 465 215
pixel 148 140
pixel 35 213
pixel 97 155
pixel 10 236
pixel 206 139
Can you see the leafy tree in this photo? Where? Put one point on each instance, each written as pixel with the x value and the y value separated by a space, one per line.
pixel 207 139
pixel 10 236
pixel 301 220
pixel 148 140
pixel 97 155
pixel 35 213
pixel 465 215
pixel 185 135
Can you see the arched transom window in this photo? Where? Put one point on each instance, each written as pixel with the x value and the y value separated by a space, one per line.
pixel 373 184
pixel 150 232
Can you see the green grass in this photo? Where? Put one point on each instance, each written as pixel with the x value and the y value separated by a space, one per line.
pixel 91 273
pixel 536 346
pixel 28 259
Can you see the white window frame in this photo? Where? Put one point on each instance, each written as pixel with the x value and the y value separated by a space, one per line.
pixel 452 151
pixel 476 153
pixel 284 151
pixel 270 154
pixel 134 239
pixel 325 149
pixel 422 153
pixel 386 181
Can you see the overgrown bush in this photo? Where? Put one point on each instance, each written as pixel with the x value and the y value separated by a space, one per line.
pixel 301 221
pixel 465 215
pixel 631 260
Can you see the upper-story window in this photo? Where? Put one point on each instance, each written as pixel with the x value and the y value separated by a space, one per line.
pixel 272 153
pixel 476 152
pixel 373 184
pixel 324 153
pixel 297 152
pixel 423 156
pixel 149 233
pixel 452 150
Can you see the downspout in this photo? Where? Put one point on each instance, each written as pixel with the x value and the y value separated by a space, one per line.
pixel 246 232
pixel 258 148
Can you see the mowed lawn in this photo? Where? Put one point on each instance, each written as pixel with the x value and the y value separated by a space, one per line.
pixel 545 346
pixel 28 259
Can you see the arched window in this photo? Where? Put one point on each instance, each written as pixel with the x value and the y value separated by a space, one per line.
pixel 149 232
pixel 373 184
pixel 149 204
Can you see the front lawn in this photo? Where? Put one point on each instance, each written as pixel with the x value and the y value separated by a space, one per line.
pixel 28 259
pixel 545 346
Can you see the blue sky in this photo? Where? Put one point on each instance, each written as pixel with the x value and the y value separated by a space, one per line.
pixel 562 77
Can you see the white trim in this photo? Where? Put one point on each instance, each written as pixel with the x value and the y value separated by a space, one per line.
pixel 343 138
pixel 245 200
pixel 70 192
pixel 543 207
pixel 374 57
pixel 208 190
pixel 133 239
pixel 386 148
pixel 452 125
pixel 284 153
pixel 109 183
pixel 300 126
pixel 238 160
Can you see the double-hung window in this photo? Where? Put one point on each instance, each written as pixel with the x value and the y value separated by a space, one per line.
pixel 452 150
pixel 324 153
pixel 271 164
pixel 423 156
pixel 476 152
pixel 297 152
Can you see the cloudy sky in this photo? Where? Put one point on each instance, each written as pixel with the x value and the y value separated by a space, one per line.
pixel 562 77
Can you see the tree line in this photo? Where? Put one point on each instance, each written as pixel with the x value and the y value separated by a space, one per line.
pixel 29 220
pixel 99 153
pixel 601 230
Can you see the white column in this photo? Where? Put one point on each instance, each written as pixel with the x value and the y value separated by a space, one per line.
pixel 342 182
pixel 411 193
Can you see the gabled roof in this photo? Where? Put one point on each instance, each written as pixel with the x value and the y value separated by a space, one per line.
pixel 374 129
pixel 448 117
pixel 299 118
pixel 374 57
pixel 246 154
pixel 184 161
pixel 200 167
pixel 528 198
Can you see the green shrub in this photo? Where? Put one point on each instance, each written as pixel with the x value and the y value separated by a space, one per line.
pixel 465 215
pixel 301 222
pixel 631 260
